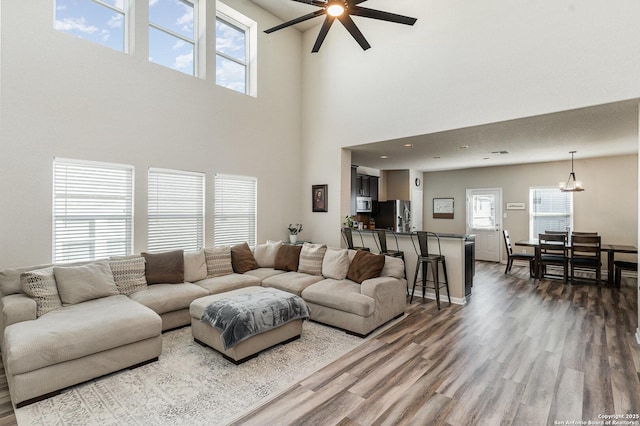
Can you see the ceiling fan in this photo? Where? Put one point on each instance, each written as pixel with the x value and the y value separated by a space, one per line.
pixel 342 11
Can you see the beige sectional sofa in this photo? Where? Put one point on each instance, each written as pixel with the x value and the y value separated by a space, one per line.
pixel 66 324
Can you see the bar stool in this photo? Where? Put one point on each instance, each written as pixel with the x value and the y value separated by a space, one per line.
pixel 425 259
pixel 383 249
pixel 347 235
pixel 619 266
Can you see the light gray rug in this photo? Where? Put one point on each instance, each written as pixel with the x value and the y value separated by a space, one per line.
pixel 190 384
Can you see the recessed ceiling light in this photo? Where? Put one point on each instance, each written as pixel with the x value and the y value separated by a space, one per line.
pixel 384 156
pixel 408 145
pixel 463 146
pixel 500 152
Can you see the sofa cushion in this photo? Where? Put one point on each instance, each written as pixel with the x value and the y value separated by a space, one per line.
pixel 365 265
pixel 311 257
pixel 293 282
pixel 393 267
pixel 335 264
pixel 40 285
pixel 228 282
pixel 242 259
pixel 195 266
pixel 288 257
pixel 265 254
pixel 218 261
pixel 343 295
pixel 76 331
pixel 164 268
pixel 262 273
pixel 163 298
pixel 129 274
pixel 77 284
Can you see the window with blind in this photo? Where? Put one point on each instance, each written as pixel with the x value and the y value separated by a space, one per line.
pixel 235 210
pixel 551 210
pixel 92 210
pixel 175 210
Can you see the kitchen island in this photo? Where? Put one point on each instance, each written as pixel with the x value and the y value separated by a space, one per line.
pixel 459 252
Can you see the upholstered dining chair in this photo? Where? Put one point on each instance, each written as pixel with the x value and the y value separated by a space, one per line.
pixel 586 254
pixel 552 250
pixel 531 258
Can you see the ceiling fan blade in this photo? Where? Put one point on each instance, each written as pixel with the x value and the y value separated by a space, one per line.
pixel 323 33
pixel 295 21
pixel 383 16
pixel 353 30
pixel 312 2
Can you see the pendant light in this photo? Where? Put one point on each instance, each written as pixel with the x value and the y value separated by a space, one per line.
pixel 571 185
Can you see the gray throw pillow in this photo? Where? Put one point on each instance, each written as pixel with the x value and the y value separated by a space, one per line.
pixel 77 284
pixel 218 261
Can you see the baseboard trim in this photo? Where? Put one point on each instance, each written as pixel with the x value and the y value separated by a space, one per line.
pixel 443 298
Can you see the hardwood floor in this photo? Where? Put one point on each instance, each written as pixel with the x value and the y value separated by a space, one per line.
pixel 521 352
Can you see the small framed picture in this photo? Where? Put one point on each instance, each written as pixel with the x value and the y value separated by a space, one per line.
pixel 516 206
pixel 319 198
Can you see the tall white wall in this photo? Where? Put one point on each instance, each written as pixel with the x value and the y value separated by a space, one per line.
pixel 66 97
pixel 464 63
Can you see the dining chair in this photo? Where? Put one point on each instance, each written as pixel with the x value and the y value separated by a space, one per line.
pixel 347 235
pixel 583 233
pixel 531 258
pixel 586 254
pixel 566 233
pixel 552 250
pixel 426 259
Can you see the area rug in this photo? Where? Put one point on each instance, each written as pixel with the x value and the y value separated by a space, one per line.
pixel 190 384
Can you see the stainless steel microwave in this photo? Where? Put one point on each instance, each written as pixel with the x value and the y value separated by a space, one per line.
pixel 363 204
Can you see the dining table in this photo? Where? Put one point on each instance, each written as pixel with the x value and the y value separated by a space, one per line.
pixel 610 249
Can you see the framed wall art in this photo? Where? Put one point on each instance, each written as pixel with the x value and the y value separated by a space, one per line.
pixel 319 198
pixel 443 208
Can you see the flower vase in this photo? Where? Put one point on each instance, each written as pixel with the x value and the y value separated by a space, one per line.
pixel 293 238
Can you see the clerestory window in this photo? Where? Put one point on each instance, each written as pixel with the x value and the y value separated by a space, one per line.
pixel 236 43
pixel 173 34
pixel 101 21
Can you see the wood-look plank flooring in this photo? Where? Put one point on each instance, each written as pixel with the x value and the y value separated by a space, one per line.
pixel 521 352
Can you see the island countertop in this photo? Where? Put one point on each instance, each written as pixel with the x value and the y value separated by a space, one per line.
pixel 465 237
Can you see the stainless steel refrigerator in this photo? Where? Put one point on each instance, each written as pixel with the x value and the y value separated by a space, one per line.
pixel 394 215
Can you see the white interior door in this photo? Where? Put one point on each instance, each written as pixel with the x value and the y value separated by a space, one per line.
pixel 484 219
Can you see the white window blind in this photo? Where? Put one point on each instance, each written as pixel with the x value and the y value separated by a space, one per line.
pixel 175 210
pixel 235 210
pixel 551 210
pixel 92 210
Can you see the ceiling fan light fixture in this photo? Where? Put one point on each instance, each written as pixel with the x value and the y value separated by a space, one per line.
pixel 335 9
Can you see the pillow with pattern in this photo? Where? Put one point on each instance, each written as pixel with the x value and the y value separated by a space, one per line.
pixel 40 285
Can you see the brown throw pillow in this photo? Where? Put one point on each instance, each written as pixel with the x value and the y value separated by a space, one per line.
pixel 365 265
pixel 288 257
pixel 242 259
pixel 164 268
